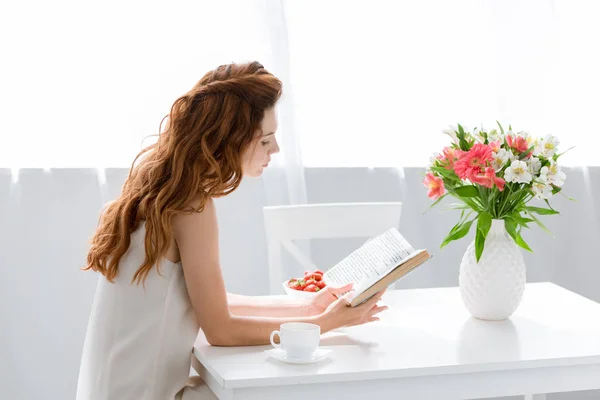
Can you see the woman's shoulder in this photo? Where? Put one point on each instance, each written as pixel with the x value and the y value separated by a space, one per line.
pixel 199 213
pixel 195 233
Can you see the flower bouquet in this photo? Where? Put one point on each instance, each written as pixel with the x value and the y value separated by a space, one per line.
pixel 495 174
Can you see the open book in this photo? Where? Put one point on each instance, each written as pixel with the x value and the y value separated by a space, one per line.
pixel 376 264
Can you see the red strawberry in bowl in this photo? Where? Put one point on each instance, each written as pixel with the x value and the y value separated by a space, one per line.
pixel 306 286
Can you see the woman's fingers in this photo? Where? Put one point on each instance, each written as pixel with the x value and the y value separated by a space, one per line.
pixel 378 309
pixel 340 290
pixel 347 298
pixel 374 299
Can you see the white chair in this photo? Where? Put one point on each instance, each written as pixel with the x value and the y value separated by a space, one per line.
pixel 283 224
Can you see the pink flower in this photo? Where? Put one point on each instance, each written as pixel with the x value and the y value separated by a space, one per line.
pixel 449 156
pixel 435 185
pixel 495 146
pixel 519 143
pixel 473 162
pixel 489 179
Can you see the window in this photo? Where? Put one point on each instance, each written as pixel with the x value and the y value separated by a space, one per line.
pixel 87 82
pixel 373 82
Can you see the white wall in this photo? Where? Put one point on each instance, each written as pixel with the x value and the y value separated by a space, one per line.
pixel 47 217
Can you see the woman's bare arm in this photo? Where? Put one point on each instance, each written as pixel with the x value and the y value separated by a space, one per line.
pixel 267 306
pixel 196 235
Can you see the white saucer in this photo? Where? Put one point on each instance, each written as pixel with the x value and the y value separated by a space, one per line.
pixel 318 355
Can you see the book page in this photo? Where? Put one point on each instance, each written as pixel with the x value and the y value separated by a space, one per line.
pixel 371 261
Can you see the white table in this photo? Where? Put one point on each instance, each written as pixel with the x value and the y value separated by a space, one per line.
pixel 428 347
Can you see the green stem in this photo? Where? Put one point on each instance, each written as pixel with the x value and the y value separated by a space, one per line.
pixel 504 199
pixel 520 200
pixel 522 197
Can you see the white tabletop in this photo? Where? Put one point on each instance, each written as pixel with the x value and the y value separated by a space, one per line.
pixel 428 332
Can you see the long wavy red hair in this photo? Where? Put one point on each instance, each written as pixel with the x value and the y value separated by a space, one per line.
pixel 199 153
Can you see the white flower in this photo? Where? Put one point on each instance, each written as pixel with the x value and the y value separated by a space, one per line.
pixel 541 188
pixel 546 147
pixel 494 136
pixel 554 174
pixel 478 135
pixel 451 131
pixel 434 157
pixel 537 151
pixel 499 159
pixel 535 165
pixel 517 172
pixel 526 135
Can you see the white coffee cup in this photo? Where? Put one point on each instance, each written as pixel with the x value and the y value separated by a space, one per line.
pixel 297 339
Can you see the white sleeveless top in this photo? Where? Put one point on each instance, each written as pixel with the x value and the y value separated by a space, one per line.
pixel 139 338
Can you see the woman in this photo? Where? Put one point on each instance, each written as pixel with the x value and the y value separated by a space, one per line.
pixel 157 247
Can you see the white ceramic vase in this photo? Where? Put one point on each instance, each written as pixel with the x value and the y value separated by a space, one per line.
pixel 492 288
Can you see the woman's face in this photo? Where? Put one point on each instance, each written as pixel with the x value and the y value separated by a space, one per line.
pixel 258 155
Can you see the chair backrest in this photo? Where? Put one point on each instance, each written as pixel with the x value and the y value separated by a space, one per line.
pixel 283 224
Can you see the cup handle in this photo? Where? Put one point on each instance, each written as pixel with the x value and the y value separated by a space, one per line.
pixel 273 336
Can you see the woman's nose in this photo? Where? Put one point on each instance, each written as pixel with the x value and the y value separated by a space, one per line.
pixel 275 148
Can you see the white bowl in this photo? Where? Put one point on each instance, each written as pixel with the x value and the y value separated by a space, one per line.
pixel 298 294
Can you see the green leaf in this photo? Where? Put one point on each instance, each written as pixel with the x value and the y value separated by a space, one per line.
pixel 485 137
pixel 511 228
pixel 463 218
pixel 520 220
pixel 462 143
pixel 458 232
pixel 560 154
pixel 466 191
pixel 457 206
pixel 568 198
pixel 501 128
pixel 481 192
pixel 556 189
pixel 523 154
pixel 446 173
pixel 458 224
pixel 549 206
pixel 522 242
pixel 479 244
pixel 537 221
pixel 435 202
pixel 540 210
pixel 468 201
pixel 484 223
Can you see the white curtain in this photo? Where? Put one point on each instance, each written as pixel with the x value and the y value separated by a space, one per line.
pixel 85 84
pixel 284 181
pixel 368 83
pixel 376 81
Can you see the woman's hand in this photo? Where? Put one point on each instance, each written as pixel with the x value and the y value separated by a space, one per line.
pixel 339 313
pixel 323 299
